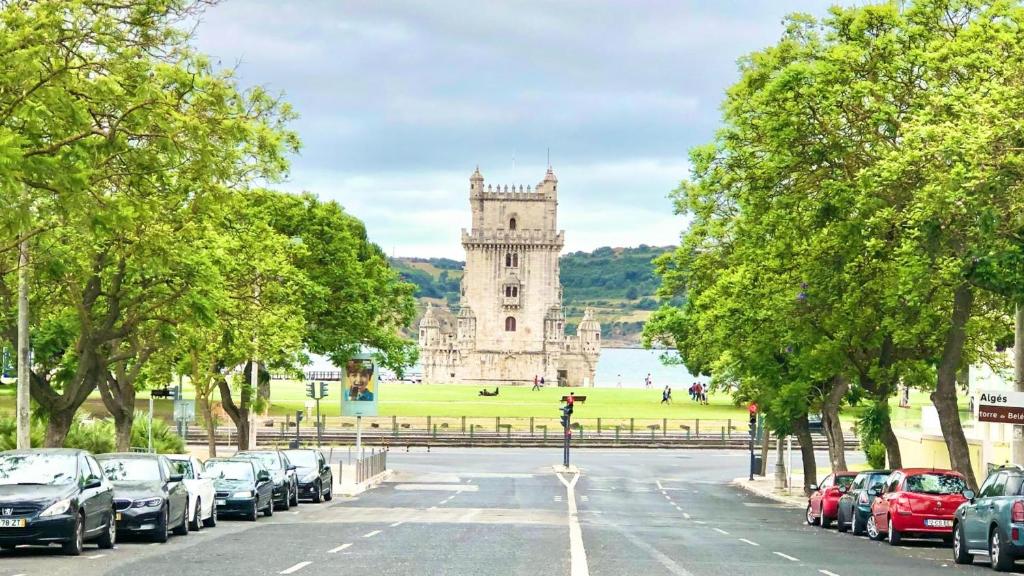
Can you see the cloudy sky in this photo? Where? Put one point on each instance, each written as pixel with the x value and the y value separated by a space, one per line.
pixel 400 100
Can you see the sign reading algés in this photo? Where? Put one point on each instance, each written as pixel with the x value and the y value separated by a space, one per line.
pixel 1001 406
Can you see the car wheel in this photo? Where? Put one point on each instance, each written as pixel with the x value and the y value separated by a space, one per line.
pixel 318 492
pixel 269 510
pixel 1001 560
pixel 196 524
pixel 160 532
pixel 295 495
pixel 811 520
pixel 960 554
pixel 74 546
pixel 109 536
pixel 824 521
pixel 254 512
pixel 329 494
pixel 182 529
pixel 873 532
pixel 841 523
pixel 212 520
pixel 286 502
pixel 892 535
pixel 855 526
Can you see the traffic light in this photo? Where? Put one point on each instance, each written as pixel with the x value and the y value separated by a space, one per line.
pixel 323 389
pixel 309 389
pixel 298 416
pixel 566 412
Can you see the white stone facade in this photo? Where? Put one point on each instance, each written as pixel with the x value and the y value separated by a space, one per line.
pixel 510 323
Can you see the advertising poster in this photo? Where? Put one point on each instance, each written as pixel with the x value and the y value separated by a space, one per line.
pixel 360 387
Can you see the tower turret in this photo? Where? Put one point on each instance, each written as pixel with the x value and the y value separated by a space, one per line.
pixel 467 328
pixel 430 329
pixel 589 332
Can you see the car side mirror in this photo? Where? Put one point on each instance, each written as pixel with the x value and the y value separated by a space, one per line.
pixel 92 482
pixel 813 487
pixel 291 468
pixel 969 494
pixel 843 489
pixel 263 476
pixel 176 478
pixel 876 490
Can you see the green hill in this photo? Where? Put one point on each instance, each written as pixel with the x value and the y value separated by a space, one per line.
pixel 619 283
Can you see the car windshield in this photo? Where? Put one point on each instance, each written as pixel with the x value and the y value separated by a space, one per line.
pixel 223 470
pixel 131 469
pixel 37 468
pixel 844 481
pixel 935 484
pixel 304 458
pixel 269 459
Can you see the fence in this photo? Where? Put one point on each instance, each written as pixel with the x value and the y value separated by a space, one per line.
pixel 364 468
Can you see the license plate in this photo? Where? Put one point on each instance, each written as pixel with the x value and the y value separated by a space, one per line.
pixel 221 502
pixel 938 523
pixel 118 517
pixel 13 523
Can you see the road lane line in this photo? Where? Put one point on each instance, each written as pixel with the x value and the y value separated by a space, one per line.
pixel 396 524
pixel 678 508
pixel 827 573
pixel 339 548
pixel 786 556
pixel 577 553
pixel 658 482
pixel 751 542
pixel 720 531
pixel 95 556
pixel 685 515
pixel 371 534
pixel 295 568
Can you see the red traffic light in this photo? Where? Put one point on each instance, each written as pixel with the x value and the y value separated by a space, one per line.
pixel 752 408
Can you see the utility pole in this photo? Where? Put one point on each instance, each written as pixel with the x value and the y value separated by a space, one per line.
pixel 1018 373
pixel 24 439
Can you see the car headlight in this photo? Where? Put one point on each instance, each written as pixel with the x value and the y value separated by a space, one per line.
pixel 245 494
pixel 57 508
pixel 148 503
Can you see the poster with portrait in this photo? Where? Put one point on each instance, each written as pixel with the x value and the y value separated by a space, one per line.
pixel 360 387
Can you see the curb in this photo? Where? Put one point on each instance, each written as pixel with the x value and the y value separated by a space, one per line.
pixel 356 489
pixel 791 501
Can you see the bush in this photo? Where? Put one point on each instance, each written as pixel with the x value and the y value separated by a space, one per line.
pixel 869 428
pixel 97 436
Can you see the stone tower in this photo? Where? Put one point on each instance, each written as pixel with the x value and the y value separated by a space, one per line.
pixel 510 325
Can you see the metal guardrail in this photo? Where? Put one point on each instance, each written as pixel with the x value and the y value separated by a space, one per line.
pixel 362 469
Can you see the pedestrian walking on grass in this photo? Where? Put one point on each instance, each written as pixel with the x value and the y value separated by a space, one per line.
pixel 536 385
pixel 541 381
pixel 669 390
pixel 664 395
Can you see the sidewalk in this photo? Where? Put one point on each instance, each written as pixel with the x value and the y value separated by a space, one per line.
pixel 764 486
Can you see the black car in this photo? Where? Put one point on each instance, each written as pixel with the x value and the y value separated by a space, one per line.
pixel 855 504
pixel 243 486
pixel 316 480
pixel 149 496
pixel 286 485
pixel 55 496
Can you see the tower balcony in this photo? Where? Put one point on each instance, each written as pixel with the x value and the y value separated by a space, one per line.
pixel 510 301
pixel 545 238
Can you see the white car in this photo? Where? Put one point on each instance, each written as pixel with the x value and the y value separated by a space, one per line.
pixel 202 506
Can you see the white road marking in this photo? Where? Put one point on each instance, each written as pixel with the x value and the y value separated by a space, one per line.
pixel 751 542
pixel 720 531
pixel 678 508
pixel 685 515
pixel 577 554
pixel 339 548
pixel 658 482
pixel 827 573
pixel 786 556
pixel 432 508
pixel 698 521
pixel 396 524
pixel 371 534
pixel 95 556
pixel 295 568
pixel 440 487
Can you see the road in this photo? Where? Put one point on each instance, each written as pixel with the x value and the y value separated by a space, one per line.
pixel 504 511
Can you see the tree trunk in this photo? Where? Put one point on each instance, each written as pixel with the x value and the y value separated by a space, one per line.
pixel 58 423
pixel 211 429
pixel 944 396
pixel 239 413
pixel 803 436
pixel 123 422
pixel 888 437
pixel 831 425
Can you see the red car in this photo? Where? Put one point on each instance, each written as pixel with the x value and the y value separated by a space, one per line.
pixel 823 504
pixel 917 502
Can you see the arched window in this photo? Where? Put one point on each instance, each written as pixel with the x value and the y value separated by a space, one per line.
pixel 515 291
pixel 508 259
pixel 510 324
pixel 515 260
pixel 508 291
pixel 512 224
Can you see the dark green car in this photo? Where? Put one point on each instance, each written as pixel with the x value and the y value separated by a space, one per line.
pixel 992 523
pixel 855 504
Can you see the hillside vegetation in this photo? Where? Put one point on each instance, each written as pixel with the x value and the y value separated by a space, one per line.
pixel 619 283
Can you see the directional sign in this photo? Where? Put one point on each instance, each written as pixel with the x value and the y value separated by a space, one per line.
pixel 1001 406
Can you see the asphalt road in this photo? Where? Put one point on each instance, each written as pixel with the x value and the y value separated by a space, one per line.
pixel 504 511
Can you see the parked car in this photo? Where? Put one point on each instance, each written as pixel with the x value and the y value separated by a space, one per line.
pixel 822 505
pixel 243 486
pixel 916 502
pixel 55 496
pixel 855 503
pixel 315 478
pixel 992 524
pixel 202 507
pixel 286 484
pixel 149 496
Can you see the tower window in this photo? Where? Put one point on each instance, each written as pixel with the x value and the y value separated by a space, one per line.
pixel 512 260
pixel 510 324
pixel 512 224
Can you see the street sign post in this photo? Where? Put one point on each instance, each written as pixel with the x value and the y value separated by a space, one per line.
pixel 569 402
pixel 752 409
pixel 1001 406
pixel 359 395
